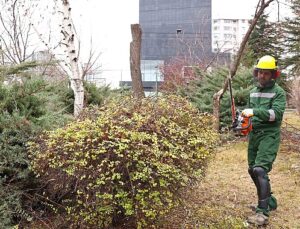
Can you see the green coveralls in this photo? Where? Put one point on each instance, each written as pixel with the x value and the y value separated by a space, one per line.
pixel 268 106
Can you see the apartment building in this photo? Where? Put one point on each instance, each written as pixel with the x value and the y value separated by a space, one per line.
pixel 227 34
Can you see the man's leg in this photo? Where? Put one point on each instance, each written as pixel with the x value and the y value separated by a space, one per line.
pixel 272 203
pixel 252 153
pixel 263 191
pixel 267 152
pixel 253 177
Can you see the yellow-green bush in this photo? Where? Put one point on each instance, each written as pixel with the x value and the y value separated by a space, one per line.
pixel 125 161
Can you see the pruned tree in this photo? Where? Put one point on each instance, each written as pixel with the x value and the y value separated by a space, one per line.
pixel 261 6
pixel 135 61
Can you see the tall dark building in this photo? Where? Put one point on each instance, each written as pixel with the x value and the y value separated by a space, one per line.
pixel 175 28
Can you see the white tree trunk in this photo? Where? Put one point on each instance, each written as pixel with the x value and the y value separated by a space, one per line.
pixel 76 78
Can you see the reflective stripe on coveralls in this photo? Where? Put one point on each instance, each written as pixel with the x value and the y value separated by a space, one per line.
pixel 262 95
pixel 272 115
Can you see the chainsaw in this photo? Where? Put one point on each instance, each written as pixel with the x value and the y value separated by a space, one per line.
pixel 240 123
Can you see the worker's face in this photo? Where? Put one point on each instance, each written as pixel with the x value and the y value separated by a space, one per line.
pixel 264 76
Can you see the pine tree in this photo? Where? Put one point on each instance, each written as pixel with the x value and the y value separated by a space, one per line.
pixel 265 40
pixel 201 92
pixel 292 41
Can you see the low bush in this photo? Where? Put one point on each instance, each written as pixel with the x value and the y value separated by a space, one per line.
pixel 125 162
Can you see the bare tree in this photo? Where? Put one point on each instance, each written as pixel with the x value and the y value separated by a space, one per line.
pixel 135 61
pixel 15 31
pixel 261 6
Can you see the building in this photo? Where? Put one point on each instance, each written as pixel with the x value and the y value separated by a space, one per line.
pixel 227 34
pixel 173 28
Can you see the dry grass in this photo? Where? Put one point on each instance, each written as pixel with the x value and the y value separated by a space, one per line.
pixel 222 200
pixel 292 118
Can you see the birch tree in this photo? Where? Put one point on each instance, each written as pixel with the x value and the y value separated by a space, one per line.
pixel 71 64
pixel 71 52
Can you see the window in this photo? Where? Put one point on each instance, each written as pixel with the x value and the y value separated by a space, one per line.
pixel 178 31
pixel 227 36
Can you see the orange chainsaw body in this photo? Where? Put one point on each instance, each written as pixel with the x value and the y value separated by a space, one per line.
pixel 246 126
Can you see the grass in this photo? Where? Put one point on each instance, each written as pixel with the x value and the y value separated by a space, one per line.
pixel 292 118
pixel 222 199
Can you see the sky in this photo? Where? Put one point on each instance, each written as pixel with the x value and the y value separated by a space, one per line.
pixel 106 23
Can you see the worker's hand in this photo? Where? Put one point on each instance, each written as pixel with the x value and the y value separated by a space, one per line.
pixel 247 112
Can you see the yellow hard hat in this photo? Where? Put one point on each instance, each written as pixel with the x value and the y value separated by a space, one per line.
pixel 266 62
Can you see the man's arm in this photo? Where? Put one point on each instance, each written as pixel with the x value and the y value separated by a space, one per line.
pixel 275 113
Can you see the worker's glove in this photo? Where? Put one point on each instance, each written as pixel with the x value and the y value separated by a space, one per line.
pixel 247 112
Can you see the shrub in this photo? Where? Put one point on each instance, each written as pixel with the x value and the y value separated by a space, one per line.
pixel 24 112
pixel 124 162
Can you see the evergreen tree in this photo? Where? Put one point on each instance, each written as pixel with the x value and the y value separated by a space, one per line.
pixel 265 39
pixel 201 92
pixel 292 41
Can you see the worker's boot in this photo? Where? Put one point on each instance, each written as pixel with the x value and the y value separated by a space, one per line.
pixel 261 181
pixel 258 219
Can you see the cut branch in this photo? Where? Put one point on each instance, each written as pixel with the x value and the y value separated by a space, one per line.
pixel 261 6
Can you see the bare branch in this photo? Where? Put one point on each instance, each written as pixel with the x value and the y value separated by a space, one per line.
pixel 90 65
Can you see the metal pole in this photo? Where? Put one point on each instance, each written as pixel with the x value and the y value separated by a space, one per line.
pixel 156 85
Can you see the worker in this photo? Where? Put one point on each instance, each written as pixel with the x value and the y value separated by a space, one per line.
pixel 267 103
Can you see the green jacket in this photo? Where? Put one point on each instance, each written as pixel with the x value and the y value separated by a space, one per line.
pixel 268 106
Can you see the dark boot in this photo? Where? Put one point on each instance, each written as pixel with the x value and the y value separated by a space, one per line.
pixel 261 181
